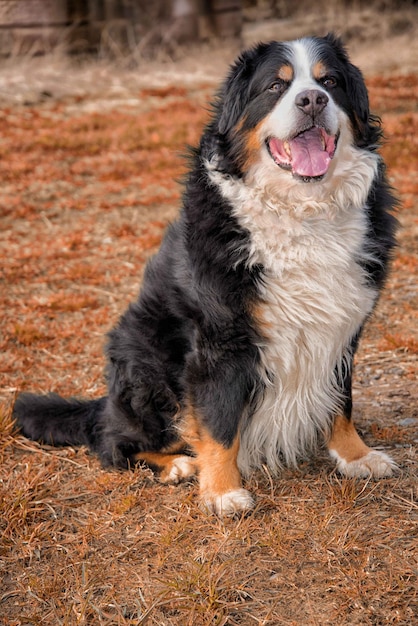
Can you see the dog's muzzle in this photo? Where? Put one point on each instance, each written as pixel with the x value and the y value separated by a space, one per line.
pixel 307 155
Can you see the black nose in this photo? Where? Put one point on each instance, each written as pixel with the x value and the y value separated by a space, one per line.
pixel 311 101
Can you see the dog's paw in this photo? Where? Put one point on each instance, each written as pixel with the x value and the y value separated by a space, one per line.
pixel 375 463
pixel 229 503
pixel 181 468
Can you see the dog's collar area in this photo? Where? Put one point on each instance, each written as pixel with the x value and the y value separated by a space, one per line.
pixel 307 155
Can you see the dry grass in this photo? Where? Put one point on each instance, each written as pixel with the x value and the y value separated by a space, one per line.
pixel 87 189
pixel 81 545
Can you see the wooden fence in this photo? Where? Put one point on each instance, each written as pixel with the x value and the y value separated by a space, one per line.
pixel 39 26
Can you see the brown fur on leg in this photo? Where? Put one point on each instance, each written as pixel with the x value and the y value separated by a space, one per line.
pixel 172 467
pixel 220 480
pixel 353 456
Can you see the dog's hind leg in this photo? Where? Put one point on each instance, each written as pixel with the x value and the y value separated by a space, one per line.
pixel 172 468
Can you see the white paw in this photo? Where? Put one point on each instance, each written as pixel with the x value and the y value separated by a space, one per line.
pixel 182 467
pixel 376 464
pixel 229 503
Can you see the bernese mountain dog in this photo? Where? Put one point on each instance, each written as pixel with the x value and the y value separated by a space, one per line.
pixel 238 352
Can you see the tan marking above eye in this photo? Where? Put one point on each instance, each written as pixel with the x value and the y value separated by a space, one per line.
pixel 319 70
pixel 285 73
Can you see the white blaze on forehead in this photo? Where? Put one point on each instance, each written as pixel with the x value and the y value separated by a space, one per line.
pixel 304 55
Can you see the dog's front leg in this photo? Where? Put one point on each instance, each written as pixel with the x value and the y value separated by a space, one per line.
pixel 220 482
pixel 218 391
pixel 353 457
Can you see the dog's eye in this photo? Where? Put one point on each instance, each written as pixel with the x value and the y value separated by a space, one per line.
pixel 276 86
pixel 329 81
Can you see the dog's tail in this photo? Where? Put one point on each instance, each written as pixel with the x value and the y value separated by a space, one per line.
pixel 53 420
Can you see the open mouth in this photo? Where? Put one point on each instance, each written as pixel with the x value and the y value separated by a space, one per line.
pixel 308 155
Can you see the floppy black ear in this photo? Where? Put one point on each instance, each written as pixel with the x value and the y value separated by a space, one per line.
pixel 356 88
pixel 366 126
pixel 357 92
pixel 234 93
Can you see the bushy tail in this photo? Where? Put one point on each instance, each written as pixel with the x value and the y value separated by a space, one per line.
pixel 58 422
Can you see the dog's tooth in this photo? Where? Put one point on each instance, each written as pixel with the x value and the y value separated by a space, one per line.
pixel 286 147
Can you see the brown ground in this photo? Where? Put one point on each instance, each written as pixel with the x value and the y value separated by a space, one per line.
pixel 88 162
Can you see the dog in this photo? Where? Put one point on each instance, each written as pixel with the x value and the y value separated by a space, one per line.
pixel 239 350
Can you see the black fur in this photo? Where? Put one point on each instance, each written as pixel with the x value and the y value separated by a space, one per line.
pixel 191 338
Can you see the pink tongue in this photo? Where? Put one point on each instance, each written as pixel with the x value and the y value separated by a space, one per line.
pixel 308 156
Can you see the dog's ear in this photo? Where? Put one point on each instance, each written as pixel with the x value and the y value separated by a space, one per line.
pixel 234 93
pixel 357 93
pixel 366 127
pixel 355 87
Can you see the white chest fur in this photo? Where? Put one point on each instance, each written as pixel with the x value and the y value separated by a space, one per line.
pixel 314 298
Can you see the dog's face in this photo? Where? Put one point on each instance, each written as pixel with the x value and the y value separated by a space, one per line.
pixel 292 108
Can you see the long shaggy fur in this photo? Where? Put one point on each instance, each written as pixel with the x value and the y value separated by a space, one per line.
pixel 250 314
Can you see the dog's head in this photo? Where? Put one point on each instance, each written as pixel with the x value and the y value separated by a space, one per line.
pixel 293 106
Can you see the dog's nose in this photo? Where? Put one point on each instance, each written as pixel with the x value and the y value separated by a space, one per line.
pixel 311 101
